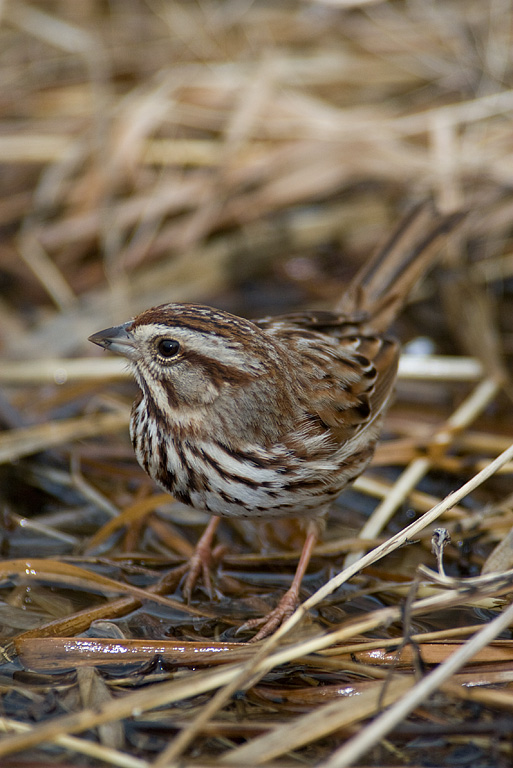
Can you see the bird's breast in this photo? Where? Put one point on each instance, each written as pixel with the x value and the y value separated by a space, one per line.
pixel 251 482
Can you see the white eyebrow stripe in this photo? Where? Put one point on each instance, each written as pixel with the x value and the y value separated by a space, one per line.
pixel 226 351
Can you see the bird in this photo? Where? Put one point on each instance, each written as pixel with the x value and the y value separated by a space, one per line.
pixel 272 418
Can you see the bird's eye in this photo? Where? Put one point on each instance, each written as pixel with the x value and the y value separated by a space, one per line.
pixel 168 347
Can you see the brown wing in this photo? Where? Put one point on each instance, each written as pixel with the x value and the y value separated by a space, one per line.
pixel 349 375
pixel 352 361
pixel 359 380
pixel 323 321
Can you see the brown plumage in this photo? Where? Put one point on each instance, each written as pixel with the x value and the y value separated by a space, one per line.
pixel 271 418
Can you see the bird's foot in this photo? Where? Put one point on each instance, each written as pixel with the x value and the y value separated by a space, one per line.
pixel 272 620
pixel 199 569
pixel 201 561
pixel 288 603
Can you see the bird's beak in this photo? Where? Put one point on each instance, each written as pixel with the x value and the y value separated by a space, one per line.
pixel 117 339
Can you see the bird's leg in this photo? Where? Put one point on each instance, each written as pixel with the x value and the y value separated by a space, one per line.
pixel 288 603
pixel 200 561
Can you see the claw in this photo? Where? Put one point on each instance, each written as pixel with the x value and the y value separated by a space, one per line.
pixel 200 562
pixel 271 621
pixel 290 599
pixel 198 566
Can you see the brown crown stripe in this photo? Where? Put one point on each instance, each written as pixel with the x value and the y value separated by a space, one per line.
pixel 196 317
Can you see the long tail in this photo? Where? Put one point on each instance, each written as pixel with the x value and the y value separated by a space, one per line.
pixel 381 286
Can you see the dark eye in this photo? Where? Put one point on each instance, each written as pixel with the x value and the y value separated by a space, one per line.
pixel 168 347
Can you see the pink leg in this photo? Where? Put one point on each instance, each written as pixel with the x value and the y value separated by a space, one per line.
pixel 290 599
pixel 200 561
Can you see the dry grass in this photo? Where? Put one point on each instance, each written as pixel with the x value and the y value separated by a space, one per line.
pixel 250 155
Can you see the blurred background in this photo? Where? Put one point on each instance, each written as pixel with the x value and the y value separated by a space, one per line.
pixel 244 154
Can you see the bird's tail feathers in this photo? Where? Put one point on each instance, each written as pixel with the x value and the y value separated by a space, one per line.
pixel 381 286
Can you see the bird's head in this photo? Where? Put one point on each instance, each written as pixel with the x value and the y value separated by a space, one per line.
pixel 187 354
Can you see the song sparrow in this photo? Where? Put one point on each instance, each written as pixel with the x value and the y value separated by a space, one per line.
pixel 271 418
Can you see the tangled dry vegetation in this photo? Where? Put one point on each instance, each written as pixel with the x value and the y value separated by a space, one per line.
pixel 250 155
